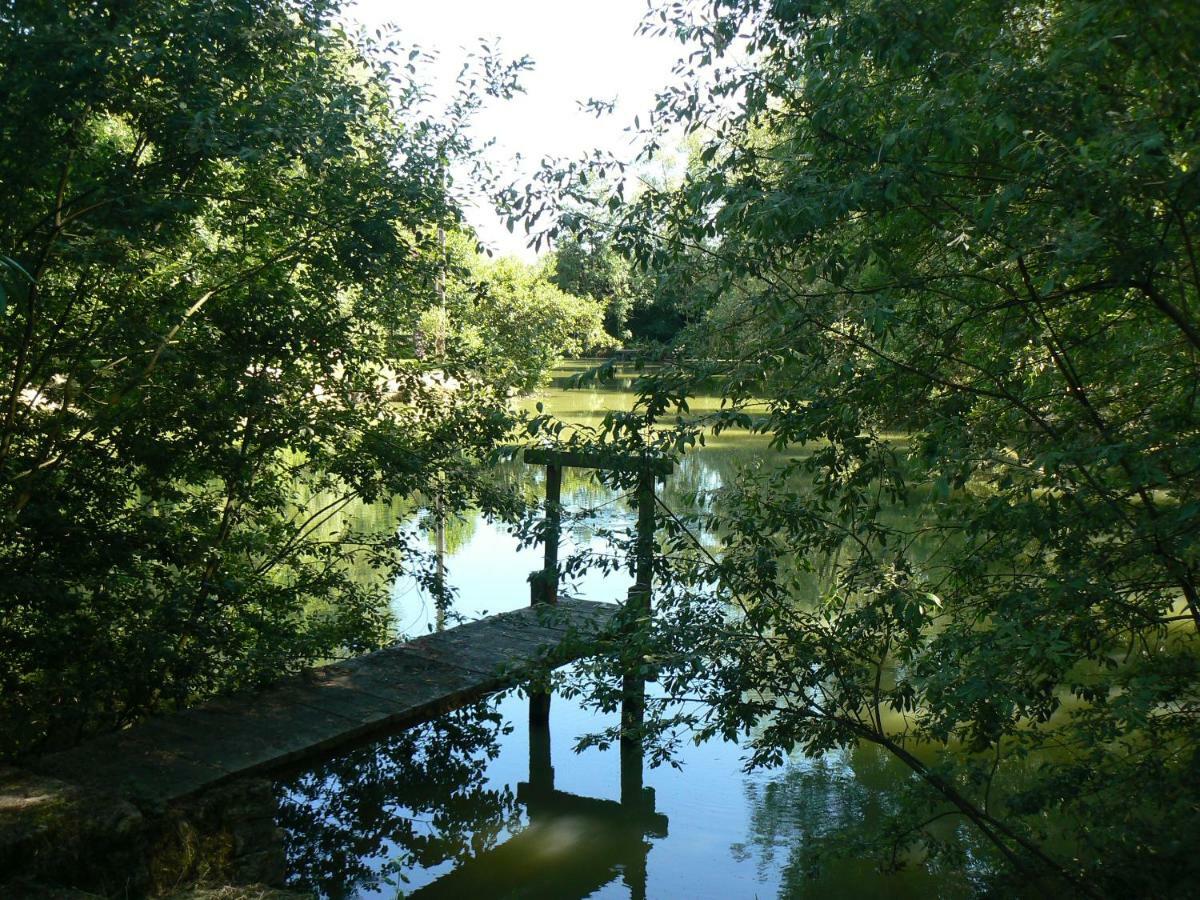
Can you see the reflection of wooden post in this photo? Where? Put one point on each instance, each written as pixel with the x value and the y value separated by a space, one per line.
pixel 638 798
pixel 545 583
pixel 633 710
pixel 541 772
pixel 633 684
pixel 634 875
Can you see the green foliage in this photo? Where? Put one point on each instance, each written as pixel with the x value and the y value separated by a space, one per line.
pixel 511 324
pixel 219 226
pixel 595 271
pixel 637 306
pixel 956 242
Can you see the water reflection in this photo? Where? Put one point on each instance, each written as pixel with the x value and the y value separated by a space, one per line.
pixel 417 800
pixel 416 810
pixel 813 822
pixel 571 845
pixel 491 801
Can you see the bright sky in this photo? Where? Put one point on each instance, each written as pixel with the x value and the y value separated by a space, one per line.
pixel 580 49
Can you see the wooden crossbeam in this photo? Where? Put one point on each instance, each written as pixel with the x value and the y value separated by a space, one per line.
pixel 588 459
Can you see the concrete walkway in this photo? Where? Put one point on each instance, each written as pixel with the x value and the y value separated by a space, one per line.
pixel 169 757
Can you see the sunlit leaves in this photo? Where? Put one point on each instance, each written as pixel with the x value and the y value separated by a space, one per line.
pixel 220 233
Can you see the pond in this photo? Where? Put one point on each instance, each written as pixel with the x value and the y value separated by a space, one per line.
pixel 488 801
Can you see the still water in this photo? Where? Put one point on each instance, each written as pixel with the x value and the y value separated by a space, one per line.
pixel 482 803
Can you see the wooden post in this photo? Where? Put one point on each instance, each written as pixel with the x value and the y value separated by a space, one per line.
pixel 633 684
pixel 644 561
pixel 544 588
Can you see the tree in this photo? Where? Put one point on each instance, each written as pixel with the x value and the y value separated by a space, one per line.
pixel 639 305
pixel 957 242
pixel 596 271
pixel 218 219
pixel 521 324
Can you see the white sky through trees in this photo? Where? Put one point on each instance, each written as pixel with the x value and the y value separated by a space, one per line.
pixel 580 49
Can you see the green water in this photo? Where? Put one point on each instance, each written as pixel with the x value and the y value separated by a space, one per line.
pixel 447 810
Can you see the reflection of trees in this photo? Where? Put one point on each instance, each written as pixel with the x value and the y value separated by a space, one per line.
pixel 825 818
pixel 416 799
pixel 460 528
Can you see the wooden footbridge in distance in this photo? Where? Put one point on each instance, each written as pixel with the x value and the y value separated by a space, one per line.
pixel 170 757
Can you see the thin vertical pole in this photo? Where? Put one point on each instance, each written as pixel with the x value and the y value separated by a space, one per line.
pixel 440 350
pixel 441 286
pixel 439 575
pixel 545 583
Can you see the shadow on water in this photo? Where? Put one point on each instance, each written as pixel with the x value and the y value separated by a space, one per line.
pixel 414 801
